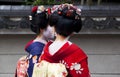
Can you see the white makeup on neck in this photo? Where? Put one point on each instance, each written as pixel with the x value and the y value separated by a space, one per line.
pixel 49 33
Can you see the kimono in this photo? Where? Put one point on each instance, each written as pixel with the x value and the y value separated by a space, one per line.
pixel 21 69
pixel 26 63
pixel 73 57
pixel 34 49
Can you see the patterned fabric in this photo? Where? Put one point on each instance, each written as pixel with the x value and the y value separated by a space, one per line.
pixel 74 59
pixel 22 64
pixel 46 69
pixel 34 49
pixel 26 63
pixel 32 61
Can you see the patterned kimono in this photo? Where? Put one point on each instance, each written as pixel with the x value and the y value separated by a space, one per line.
pixel 74 59
pixel 26 63
pixel 34 49
pixel 21 69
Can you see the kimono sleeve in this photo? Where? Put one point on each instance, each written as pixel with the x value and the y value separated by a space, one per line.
pixel 79 69
pixel 78 64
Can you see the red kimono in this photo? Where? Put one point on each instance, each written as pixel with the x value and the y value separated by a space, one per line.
pixel 71 56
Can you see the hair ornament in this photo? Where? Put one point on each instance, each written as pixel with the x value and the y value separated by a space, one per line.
pixel 30 17
pixel 69 13
pixel 67 10
pixel 54 8
pixel 59 12
pixel 40 9
pixel 78 11
pixel 48 10
pixel 34 9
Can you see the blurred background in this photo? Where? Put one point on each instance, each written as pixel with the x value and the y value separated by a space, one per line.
pixel 99 37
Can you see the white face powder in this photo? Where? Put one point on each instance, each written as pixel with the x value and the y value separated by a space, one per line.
pixel 49 33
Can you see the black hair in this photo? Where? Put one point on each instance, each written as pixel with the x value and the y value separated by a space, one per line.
pixel 39 21
pixel 65 25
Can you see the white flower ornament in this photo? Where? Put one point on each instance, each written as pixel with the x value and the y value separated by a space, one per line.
pixel 40 9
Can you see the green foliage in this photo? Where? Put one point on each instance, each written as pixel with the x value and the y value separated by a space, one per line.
pixel 29 2
pixel 46 2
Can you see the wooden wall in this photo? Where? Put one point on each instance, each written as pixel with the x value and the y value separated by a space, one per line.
pixel 103 53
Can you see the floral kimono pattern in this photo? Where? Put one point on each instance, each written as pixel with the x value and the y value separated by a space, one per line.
pixel 46 69
pixel 25 64
pixel 21 69
pixel 34 49
pixel 74 59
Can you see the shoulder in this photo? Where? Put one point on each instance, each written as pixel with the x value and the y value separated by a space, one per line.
pixel 34 46
pixel 28 44
pixel 37 46
pixel 77 54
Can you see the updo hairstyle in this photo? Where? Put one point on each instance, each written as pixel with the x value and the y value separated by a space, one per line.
pixel 38 18
pixel 66 19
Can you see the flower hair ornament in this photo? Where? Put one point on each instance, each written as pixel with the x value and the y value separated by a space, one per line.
pixel 37 10
pixel 40 9
pixel 67 10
